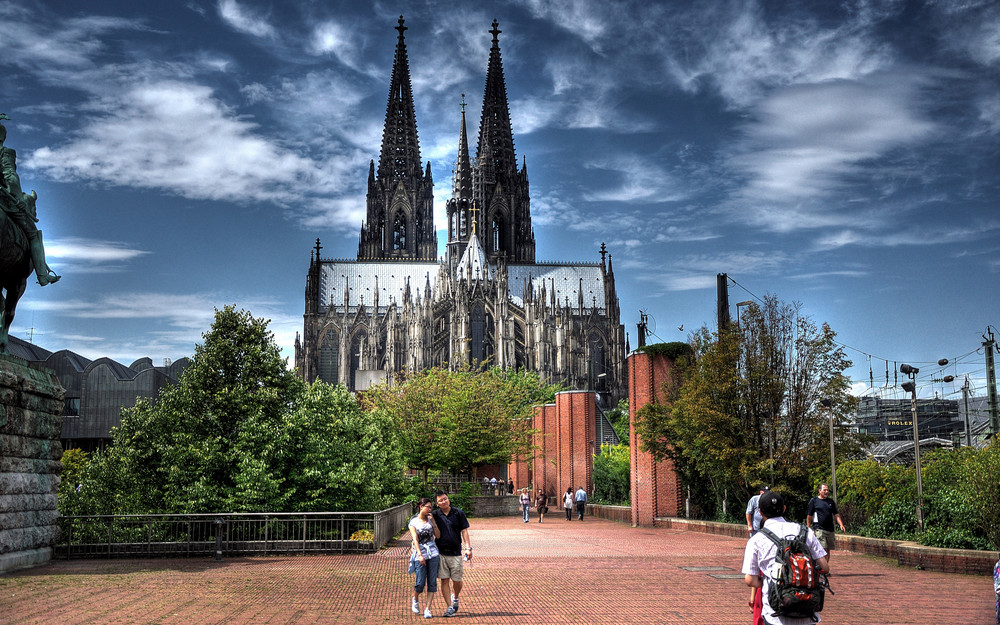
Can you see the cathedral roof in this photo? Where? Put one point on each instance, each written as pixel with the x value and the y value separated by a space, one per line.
pixel 360 278
pixel 561 281
pixel 564 280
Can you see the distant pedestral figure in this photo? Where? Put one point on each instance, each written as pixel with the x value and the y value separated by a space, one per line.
pixel 21 248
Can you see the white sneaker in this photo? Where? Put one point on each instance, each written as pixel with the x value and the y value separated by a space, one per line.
pixel 427 613
pixel 414 606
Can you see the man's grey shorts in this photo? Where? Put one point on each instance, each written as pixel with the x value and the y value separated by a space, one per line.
pixel 450 568
pixel 825 538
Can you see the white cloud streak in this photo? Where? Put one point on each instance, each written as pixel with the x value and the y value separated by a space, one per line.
pixel 242 19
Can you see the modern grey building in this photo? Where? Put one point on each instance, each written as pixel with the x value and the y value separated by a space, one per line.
pixel 97 390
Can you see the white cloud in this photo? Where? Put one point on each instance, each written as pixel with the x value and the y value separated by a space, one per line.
pixel 745 53
pixel 177 137
pixel 641 180
pixel 91 250
pixel 808 142
pixel 240 18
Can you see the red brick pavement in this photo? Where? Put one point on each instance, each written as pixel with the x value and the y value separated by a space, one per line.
pixel 558 572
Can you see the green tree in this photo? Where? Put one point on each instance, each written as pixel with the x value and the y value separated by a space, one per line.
pixel 619 418
pixel 74 462
pixel 745 405
pixel 339 456
pixel 240 432
pixel 612 475
pixel 458 420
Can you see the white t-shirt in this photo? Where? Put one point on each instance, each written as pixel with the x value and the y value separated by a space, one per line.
pixel 759 558
pixel 425 537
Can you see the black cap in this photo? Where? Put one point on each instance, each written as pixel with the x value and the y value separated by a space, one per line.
pixel 771 504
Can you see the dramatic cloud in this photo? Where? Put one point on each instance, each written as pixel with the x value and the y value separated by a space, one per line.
pixel 240 18
pixel 178 138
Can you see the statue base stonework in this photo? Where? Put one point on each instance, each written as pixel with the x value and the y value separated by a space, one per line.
pixel 31 404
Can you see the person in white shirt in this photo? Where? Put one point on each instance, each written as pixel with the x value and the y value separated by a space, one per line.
pixel 759 555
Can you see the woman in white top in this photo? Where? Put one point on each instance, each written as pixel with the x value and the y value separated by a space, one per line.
pixel 568 503
pixel 423 531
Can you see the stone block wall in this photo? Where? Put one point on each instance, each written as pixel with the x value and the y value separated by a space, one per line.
pixel 31 403
pixel 656 489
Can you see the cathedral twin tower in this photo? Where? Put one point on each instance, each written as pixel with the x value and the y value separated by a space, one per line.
pixel 397 307
pixel 490 198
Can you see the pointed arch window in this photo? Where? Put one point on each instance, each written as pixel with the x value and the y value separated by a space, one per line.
pixel 498 233
pixel 399 232
pixel 597 364
pixel 329 357
pixel 357 341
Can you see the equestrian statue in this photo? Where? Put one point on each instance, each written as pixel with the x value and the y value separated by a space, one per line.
pixel 21 248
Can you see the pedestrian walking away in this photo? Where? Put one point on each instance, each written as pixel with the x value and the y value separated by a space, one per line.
pixel 753 513
pixel 821 513
pixel 425 559
pixel 761 564
pixel 581 502
pixel 541 504
pixel 453 543
pixel 525 504
pixel 510 486
pixel 996 587
pixel 568 503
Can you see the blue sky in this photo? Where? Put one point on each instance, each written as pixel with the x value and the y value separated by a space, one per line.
pixel 839 154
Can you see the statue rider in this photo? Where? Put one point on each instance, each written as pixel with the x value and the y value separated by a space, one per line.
pixel 20 206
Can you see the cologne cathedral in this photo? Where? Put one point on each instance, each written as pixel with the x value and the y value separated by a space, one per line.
pixel 400 307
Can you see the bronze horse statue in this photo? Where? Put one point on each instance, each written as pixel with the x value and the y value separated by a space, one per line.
pixel 15 267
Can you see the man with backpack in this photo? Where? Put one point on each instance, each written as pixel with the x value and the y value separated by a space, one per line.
pixel 789 562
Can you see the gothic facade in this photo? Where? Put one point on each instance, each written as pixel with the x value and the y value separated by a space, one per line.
pixel 399 307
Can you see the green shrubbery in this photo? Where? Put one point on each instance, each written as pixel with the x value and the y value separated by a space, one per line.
pixel 612 478
pixel 959 495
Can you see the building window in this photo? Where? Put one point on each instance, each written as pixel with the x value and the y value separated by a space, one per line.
pixel 356 344
pixel 597 362
pixel 497 233
pixel 399 232
pixel 329 358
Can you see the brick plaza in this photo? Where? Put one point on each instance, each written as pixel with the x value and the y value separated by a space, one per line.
pixel 596 571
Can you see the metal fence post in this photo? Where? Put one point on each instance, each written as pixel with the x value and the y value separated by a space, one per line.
pixel 218 539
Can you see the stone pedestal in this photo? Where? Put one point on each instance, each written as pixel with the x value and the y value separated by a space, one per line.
pixel 31 404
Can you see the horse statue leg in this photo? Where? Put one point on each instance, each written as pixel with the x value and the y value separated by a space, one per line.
pixel 8 303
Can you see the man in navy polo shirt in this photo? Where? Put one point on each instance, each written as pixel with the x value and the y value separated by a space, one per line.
pixel 454 529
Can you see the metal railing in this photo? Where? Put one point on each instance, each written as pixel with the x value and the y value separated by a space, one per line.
pixel 232 534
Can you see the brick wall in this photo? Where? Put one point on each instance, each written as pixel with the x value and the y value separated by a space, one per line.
pixel 564 447
pixel 656 489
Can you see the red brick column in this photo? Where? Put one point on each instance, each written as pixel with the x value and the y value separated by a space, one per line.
pixel 656 489
pixel 576 441
pixel 542 470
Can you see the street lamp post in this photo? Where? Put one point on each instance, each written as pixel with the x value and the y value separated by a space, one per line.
pixel 833 457
pixel 911 388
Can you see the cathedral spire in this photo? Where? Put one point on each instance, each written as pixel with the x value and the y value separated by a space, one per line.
pixel 495 153
pixel 462 187
pixel 400 155
pixel 400 199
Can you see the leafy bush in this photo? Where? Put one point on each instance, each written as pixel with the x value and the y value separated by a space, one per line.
pixel 952 538
pixel 612 476
pixel 896 520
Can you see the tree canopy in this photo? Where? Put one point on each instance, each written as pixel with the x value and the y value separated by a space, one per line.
pixel 459 420
pixel 240 432
pixel 745 406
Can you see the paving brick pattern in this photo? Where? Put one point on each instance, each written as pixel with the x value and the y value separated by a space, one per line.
pixel 596 571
